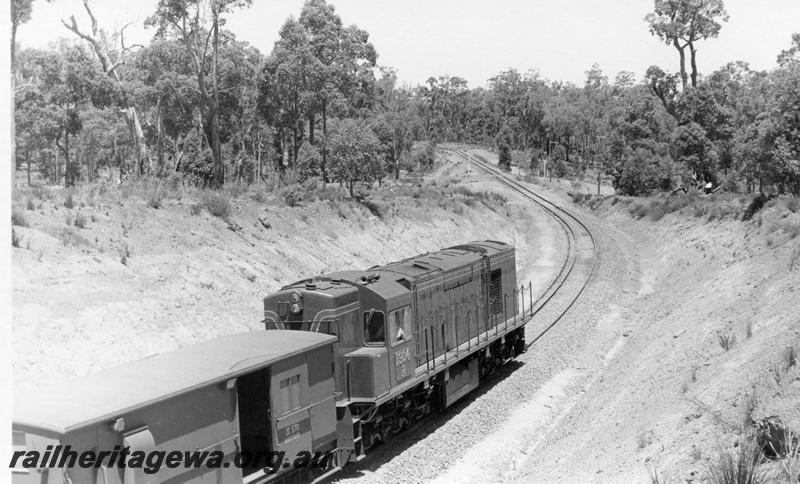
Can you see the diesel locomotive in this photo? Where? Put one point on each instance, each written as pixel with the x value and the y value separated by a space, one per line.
pixel 347 361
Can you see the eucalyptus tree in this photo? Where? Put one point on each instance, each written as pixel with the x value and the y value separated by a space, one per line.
pixel 681 23
pixel 340 76
pixel 392 119
pixel 354 154
pixel 36 120
pixel 196 24
pixel 71 80
pixel 166 86
pixel 112 53
pixel 20 13
pixel 284 90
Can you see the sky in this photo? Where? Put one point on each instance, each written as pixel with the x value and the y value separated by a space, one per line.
pixel 478 39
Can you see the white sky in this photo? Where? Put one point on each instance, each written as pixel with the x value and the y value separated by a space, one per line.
pixel 477 39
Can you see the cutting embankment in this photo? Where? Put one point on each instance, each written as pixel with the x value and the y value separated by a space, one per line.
pixel 682 341
pixel 102 277
pixel 706 348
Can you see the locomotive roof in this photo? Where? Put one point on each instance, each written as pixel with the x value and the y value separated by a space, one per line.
pixel 445 259
pixel 390 286
pixel 420 266
pixel 113 392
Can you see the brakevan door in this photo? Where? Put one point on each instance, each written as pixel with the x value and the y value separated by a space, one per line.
pixel 290 404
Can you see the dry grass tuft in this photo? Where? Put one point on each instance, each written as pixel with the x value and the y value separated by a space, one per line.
pixel 727 342
pixel 740 466
pixel 16 239
pixel 18 219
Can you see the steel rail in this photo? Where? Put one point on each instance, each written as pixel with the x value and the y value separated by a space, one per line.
pixel 560 214
pixel 573 249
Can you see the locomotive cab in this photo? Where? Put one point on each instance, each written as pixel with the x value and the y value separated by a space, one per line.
pixel 372 318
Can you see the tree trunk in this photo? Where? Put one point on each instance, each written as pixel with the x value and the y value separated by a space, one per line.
pixel 13 102
pixel 311 128
pixel 683 60
pixel 219 176
pixel 28 160
pixel 57 162
pixel 350 185
pixel 160 138
pixel 130 114
pixel 257 157
pixel 692 53
pixel 68 175
pixel 200 133
pixel 323 165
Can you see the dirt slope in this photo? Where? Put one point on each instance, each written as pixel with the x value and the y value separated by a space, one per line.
pixel 667 395
pixel 635 378
pixel 77 308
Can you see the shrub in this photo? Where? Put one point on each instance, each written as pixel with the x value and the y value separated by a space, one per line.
pixel 16 239
pixel 638 211
pixel 30 204
pixel 293 195
pixel 577 197
pixel 374 207
pixel 68 237
pixel 216 204
pixel 756 205
pixel 659 210
pixel 645 438
pixel 42 193
pixel 195 209
pixel 309 162
pixel 793 204
pixel 17 218
pixel 69 200
pixel 790 356
pixel 156 197
pixel 793 231
pixel 80 220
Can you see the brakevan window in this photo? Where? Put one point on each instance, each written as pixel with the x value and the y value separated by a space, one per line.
pixel 400 324
pixel 290 393
pixel 373 327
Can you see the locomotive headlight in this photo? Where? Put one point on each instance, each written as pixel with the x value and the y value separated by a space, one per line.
pixel 296 303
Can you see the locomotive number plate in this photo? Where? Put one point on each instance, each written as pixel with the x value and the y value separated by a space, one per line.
pixel 402 358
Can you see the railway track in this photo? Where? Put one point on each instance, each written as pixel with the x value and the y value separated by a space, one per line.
pixel 578 268
pixel 562 292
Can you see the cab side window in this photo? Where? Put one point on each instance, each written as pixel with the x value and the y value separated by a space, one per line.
pixel 373 327
pixel 400 324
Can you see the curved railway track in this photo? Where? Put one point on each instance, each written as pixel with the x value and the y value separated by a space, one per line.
pixel 565 288
pixel 579 266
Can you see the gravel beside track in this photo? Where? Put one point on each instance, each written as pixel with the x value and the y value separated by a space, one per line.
pixel 486 437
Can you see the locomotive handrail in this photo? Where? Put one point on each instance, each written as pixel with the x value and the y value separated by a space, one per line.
pixel 573 249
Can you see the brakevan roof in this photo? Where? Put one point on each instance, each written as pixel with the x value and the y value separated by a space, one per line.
pixel 121 389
